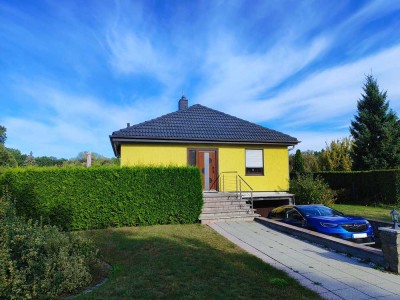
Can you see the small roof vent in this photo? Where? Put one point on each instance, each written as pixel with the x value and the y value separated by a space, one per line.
pixel 183 103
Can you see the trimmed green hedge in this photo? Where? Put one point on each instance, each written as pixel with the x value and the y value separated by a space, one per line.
pixel 365 187
pixel 80 198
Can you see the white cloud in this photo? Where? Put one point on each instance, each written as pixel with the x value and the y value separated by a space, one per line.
pixel 320 98
pixel 317 140
pixel 62 124
pixel 235 78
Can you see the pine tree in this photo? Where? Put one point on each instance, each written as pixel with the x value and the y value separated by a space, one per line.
pixel 375 130
pixel 298 164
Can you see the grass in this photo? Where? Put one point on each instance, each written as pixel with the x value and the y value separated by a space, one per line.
pixel 368 212
pixel 186 262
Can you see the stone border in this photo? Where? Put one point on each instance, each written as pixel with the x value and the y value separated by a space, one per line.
pixel 363 252
pixel 93 287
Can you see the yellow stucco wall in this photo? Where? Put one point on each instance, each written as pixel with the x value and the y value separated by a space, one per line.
pixel 153 154
pixel 230 158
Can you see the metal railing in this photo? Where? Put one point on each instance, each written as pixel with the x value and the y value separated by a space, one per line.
pixel 240 189
pixel 232 182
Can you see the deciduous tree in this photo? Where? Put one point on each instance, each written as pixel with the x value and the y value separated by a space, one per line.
pixel 337 155
pixel 6 158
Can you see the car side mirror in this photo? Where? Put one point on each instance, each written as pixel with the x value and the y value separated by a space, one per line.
pixel 298 217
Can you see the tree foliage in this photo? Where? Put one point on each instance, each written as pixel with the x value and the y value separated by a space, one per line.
pixel 3 135
pixel 310 159
pixel 10 157
pixel 375 130
pixel 19 157
pixel 29 161
pixel 98 160
pixel 337 155
pixel 49 161
pixel 6 158
pixel 298 163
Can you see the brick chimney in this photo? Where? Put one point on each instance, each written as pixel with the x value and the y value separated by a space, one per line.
pixel 183 103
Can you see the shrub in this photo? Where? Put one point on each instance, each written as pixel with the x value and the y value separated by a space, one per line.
pixel 41 262
pixel 77 198
pixel 308 190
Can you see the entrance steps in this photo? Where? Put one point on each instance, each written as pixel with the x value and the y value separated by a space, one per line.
pixel 225 207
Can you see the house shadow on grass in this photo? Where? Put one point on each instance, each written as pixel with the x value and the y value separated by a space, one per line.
pixel 185 261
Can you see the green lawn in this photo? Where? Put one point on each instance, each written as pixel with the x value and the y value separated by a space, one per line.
pixel 186 262
pixel 368 212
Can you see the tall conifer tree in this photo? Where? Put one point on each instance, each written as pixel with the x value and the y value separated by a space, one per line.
pixel 375 130
pixel 298 165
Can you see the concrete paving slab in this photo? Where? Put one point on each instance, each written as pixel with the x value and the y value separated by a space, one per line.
pixel 392 297
pixel 374 291
pixel 330 296
pixel 352 293
pixel 332 275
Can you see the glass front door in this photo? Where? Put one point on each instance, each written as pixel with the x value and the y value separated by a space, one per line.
pixel 206 161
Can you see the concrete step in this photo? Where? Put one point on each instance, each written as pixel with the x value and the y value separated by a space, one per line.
pixel 239 218
pixel 225 213
pixel 215 199
pixel 218 195
pixel 225 207
pixel 223 201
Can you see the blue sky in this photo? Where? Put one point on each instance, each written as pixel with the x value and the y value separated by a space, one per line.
pixel 72 72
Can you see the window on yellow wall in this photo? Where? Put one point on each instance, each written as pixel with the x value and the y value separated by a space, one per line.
pixel 254 162
pixel 192 157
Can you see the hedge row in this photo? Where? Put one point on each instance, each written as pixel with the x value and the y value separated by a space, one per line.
pixel 365 187
pixel 80 198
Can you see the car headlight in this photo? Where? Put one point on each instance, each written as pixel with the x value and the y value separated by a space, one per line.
pixel 329 225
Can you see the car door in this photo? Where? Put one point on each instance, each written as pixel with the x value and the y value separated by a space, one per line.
pixel 293 217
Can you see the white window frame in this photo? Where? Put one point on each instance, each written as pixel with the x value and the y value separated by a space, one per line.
pixel 254 163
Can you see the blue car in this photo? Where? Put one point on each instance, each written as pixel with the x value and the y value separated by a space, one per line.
pixel 326 220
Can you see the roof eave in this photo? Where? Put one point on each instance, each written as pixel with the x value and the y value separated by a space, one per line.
pixel 114 147
pixel 117 140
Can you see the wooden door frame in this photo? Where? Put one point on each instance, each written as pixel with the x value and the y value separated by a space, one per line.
pixel 216 163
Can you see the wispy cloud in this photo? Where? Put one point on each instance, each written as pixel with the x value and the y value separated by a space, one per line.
pixel 74 73
pixel 239 78
pixel 61 122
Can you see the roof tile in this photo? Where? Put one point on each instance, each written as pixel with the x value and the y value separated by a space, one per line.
pixel 202 123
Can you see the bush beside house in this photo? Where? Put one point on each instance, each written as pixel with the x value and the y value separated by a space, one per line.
pixel 80 198
pixel 310 190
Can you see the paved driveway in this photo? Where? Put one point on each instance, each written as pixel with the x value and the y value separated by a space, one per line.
pixel 332 275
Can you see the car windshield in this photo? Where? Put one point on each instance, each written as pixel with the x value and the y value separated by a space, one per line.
pixel 310 211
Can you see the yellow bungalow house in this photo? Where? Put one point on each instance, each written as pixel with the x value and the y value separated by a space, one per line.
pixel 222 146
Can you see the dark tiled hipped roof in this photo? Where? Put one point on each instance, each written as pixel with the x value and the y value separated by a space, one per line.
pixel 200 123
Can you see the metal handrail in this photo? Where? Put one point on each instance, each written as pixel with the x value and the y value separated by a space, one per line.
pixel 248 185
pixel 219 177
pixel 238 184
